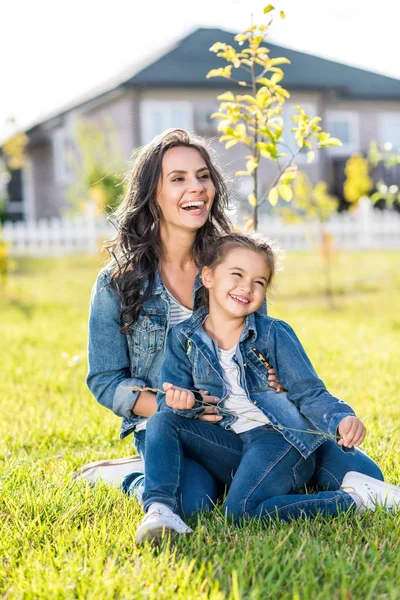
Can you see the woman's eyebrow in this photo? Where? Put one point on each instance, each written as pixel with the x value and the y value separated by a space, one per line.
pixel 184 172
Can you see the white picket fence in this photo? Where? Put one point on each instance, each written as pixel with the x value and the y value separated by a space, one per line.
pixel 364 228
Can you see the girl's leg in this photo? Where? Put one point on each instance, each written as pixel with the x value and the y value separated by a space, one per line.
pixel 199 490
pixel 270 473
pixel 332 464
pixel 169 474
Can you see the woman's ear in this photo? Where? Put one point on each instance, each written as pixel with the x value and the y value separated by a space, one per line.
pixel 206 276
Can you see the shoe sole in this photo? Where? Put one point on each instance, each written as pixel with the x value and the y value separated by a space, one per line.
pixel 394 489
pixel 158 534
pixel 106 463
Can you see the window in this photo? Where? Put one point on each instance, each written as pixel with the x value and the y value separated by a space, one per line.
pixel 390 130
pixel 157 116
pixel 63 151
pixel 203 123
pixel 345 126
pixel 288 135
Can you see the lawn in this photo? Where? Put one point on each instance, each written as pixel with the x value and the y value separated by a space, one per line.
pixel 60 539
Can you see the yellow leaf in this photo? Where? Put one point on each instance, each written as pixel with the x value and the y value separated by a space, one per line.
pixel 282 15
pixel 242 173
pixel 227 97
pixel 285 192
pixel 252 200
pixel 243 83
pixel 310 156
pixel 334 142
pixel 249 224
pixel 230 144
pixel 268 9
pixel 273 196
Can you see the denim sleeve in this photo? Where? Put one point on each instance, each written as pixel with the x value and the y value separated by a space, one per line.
pixel 295 371
pixel 177 370
pixel 108 353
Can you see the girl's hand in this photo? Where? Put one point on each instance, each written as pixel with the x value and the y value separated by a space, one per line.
pixel 210 415
pixel 352 432
pixel 273 381
pixel 177 397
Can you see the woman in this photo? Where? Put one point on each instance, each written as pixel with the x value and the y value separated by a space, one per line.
pixel 173 209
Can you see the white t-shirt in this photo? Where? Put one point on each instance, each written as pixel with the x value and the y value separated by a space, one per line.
pixel 237 402
pixel 177 314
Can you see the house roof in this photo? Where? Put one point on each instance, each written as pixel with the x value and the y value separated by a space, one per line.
pixel 187 64
pixel 189 60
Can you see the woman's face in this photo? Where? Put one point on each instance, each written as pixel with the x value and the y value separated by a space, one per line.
pixel 185 191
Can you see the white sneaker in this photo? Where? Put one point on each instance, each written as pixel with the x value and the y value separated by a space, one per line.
pixel 109 471
pixel 372 492
pixel 159 521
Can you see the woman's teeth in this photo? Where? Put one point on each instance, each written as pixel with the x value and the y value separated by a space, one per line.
pixel 193 205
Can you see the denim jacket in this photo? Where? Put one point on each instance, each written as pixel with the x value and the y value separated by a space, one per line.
pixel 191 362
pixel 118 361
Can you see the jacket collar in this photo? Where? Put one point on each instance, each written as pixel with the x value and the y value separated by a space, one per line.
pixel 200 315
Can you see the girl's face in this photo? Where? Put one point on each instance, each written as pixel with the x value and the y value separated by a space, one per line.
pixel 185 191
pixel 238 285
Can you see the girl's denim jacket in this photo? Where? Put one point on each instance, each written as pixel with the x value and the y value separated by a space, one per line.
pixel 118 361
pixel 191 362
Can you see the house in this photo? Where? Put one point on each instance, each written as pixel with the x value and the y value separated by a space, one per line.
pixel 356 105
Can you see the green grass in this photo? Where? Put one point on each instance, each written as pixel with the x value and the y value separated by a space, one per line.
pixel 60 539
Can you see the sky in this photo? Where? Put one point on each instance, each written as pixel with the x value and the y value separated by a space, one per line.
pixel 52 53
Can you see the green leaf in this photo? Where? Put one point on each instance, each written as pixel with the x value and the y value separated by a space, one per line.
pixel 273 196
pixel 268 9
pixel 252 200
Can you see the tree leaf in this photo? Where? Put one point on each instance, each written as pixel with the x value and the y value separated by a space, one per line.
pixel 230 144
pixel 227 97
pixel 252 200
pixel 282 14
pixel 249 224
pixel 268 9
pixel 310 156
pixel 273 196
pixel 285 192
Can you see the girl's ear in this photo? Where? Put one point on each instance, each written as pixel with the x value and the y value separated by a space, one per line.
pixel 206 276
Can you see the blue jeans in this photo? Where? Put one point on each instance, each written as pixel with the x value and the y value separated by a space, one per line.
pixel 269 471
pixel 181 456
pixel 272 472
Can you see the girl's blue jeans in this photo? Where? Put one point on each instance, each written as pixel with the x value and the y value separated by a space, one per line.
pixel 194 486
pixel 269 472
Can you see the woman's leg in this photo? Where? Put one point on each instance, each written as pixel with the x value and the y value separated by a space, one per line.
pixel 270 474
pixel 332 464
pixel 184 459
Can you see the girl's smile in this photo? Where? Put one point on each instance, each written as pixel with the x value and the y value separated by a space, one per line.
pixel 236 290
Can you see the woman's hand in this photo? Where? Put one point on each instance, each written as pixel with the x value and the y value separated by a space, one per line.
pixel 352 432
pixel 273 381
pixel 210 415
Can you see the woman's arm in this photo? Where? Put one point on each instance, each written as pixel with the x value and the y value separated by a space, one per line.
pixel 306 389
pixel 109 373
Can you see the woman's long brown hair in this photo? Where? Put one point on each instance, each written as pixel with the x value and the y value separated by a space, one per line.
pixel 137 249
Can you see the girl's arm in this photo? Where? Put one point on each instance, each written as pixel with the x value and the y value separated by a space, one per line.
pixel 177 370
pixel 108 356
pixel 306 389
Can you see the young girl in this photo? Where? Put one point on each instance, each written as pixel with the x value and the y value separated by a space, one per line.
pixel 288 439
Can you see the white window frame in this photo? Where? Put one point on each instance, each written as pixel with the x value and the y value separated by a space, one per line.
pixel 165 107
pixel 311 109
pixel 353 119
pixel 382 117
pixel 62 173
